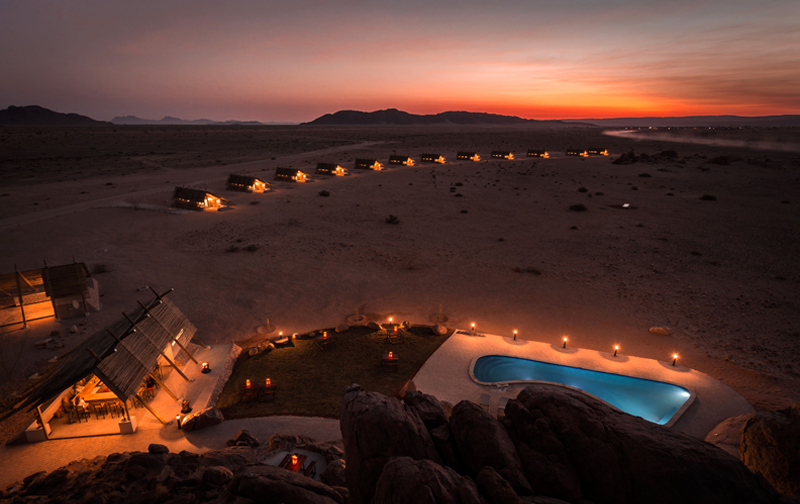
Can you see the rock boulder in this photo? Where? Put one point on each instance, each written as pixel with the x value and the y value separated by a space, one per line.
pixel 376 428
pixel 408 481
pixel 770 445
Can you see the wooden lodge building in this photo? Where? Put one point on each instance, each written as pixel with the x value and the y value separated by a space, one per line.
pixel 246 183
pixel 432 158
pixel 596 151
pixel 291 175
pixel 577 152
pixel 502 155
pixel 197 199
pixel 369 164
pixel 540 153
pixel 331 169
pixel 468 156
pixel 113 366
pixel 401 160
pixel 53 291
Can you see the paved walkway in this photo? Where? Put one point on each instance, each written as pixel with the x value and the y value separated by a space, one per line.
pixel 19 461
pixel 446 375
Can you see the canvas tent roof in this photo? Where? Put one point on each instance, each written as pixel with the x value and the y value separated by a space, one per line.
pixel 126 359
pixel 193 195
pixel 246 180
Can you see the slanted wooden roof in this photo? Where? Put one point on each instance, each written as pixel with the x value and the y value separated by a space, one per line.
pixel 291 172
pixel 67 280
pixel 128 352
pixel 195 195
pixel 466 154
pixel 245 180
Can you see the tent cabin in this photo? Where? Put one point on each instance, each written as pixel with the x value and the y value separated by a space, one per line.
pixel 291 175
pixel 595 151
pixel 432 158
pixel 197 199
pixel 53 291
pixel 469 156
pixel 402 160
pixel 113 366
pixel 502 155
pixel 538 153
pixel 369 164
pixel 331 169
pixel 577 152
pixel 246 183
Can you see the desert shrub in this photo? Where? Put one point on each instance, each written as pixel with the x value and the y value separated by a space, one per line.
pixel 583 189
pixel 580 207
pixel 99 268
pixel 252 247
pixel 532 271
pixel 720 160
pixel 392 219
pixel 668 154
pixel 232 248
pixel 645 175
pixel 459 195
pixel 254 202
pixel 324 193
pixel 708 197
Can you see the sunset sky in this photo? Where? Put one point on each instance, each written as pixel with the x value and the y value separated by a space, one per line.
pixel 294 61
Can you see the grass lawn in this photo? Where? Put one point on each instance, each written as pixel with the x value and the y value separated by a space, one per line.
pixel 310 380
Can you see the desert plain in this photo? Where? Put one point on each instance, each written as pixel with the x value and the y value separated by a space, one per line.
pixel 492 242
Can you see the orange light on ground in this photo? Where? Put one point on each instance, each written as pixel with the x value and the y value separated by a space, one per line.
pixel 324 334
pixel 390 355
pixel 247 383
pixel 294 460
pixel 269 382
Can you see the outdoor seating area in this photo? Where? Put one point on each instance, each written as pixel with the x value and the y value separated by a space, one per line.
pixel 258 392
pixel 390 361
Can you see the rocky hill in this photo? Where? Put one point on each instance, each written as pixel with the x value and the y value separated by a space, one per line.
pixel 553 446
pixel 34 115
pixel 398 117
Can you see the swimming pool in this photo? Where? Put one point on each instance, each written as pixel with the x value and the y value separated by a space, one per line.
pixel 655 401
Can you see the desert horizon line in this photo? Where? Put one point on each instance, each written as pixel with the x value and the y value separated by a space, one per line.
pixel 167 117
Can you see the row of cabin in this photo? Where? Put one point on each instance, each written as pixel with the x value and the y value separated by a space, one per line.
pixel 593 151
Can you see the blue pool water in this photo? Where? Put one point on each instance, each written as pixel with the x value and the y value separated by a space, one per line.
pixel 654 401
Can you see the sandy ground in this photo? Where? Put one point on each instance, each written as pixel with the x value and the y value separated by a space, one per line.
pixel 723 274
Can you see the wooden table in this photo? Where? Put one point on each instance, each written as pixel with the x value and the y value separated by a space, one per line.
pixel 286 463
pixel 324 342
pixel 391 363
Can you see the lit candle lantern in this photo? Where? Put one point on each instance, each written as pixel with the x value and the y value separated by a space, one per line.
pixel 247 383
pixel 616 348
pixel 269 382
pixel 324 334
pixel 565 342
pixel 390 355
pixel 294 460
pixel 515 335
pixel 674 359
pixel 206 368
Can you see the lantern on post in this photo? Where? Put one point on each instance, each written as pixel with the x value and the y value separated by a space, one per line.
pixel 565 342
pixel 294 459
pixel 269 382
pixel 515 335
pixel 674 359
pixel 206 368
pixel 616 348
pixel 247 383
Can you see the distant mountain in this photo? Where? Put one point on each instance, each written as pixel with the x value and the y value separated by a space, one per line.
pixel 697 121
pixel 34 115
pixel 129 119
pixel 398 117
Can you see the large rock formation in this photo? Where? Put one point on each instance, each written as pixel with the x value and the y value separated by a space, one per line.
pixel 770 445
pixel 376 428
pixel 553 445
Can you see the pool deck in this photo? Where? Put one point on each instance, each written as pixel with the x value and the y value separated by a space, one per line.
pixel 446 375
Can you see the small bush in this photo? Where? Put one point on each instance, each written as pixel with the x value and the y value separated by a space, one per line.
pixel 324 193
pixel 254 202
pixel 459 195
pixel 580 207
pixel 392 219
pixel 232 248
pixel 532 271
pixel 99 268
pixel 668 154
pixel 708 197
pixel 583 189
pixel 645 175
pixel 252 247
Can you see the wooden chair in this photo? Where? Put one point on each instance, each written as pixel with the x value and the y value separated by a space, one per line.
pixel 83 413
pixel 99 409
pixel 311 469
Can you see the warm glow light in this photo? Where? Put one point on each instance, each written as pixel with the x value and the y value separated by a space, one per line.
pixel 247 384
pixel 294 459
pixel 390 355
pixel 616 348
pixel 390 320
pixel 269 382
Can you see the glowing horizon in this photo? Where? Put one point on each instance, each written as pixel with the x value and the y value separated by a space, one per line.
pixel 265 61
